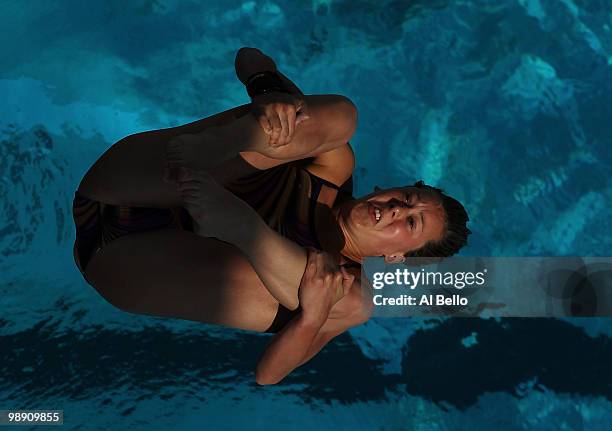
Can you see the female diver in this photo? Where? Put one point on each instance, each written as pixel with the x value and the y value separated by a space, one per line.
pixel 243 218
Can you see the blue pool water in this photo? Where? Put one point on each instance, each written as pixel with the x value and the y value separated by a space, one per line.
pixel 506 105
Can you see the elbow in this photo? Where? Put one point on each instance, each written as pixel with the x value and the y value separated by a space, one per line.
pixel 265 382
pixel 349 117
pixel 292 303
pixel 348 105
pixel 264 379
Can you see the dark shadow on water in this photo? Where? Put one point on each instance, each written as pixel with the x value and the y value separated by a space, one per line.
pixel 41 362
pixel 123 368
pixel 560 356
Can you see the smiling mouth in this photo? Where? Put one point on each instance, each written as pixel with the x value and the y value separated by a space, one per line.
pixel 375 213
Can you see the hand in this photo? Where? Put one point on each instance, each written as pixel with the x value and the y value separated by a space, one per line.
pixel 323 284
pixel 278 115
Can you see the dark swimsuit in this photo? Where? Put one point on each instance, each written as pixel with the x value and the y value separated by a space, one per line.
pixel 284 196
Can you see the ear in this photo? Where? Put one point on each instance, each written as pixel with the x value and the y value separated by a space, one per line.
pixel 395 258
pixel 377 189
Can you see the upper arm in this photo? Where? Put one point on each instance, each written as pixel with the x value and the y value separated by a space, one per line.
pixel 327 333
pixel 333 118
pixel 335 166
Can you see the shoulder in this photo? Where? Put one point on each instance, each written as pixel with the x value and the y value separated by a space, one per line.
pixel 335 115
pixel 335 166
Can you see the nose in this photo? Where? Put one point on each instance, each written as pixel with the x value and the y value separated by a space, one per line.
pixel 398 208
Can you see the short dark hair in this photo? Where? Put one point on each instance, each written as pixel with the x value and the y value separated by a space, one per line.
pixel 455 229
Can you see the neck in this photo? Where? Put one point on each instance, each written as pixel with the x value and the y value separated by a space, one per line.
pixel 350 249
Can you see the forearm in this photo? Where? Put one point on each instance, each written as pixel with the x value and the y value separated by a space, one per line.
pixel 331 123
pixel 287 350
pixel 278 261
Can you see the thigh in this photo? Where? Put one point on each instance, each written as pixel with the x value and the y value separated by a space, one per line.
pixel 130 171
pixel 174 273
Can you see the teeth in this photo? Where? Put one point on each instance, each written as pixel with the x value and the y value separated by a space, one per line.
pixel 377 214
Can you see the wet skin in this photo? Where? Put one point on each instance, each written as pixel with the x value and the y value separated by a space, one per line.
pixel 410 217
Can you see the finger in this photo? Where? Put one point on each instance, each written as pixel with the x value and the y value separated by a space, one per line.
pixel 172 173
pixel 304 110
pixel 265 124
pixel 320 262
pixel 189 198
pixel 173 167
pixel 173 153
pixel 290 124
pixel 345 273
pixel 276 128
pixel 311 255
pixel 184 174
pixel 347 279
pixel 282 114
pixel 311 264
pixel 311 268
pixel 330 263
pixel 171 156
pixel 175 144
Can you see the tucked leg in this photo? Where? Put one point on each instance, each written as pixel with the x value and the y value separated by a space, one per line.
pixel 178 274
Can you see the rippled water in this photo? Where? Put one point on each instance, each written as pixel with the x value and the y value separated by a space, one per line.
pixel 506 105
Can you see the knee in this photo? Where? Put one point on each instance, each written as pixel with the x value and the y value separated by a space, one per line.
pixel 110 294
pixel 107 287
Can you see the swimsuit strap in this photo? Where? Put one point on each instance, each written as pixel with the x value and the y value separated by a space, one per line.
pixel 322 181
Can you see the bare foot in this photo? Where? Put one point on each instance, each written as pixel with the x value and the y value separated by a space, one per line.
pixel 212 207
pixel 183 151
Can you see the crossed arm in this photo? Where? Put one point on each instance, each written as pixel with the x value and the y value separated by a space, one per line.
pixel 279 262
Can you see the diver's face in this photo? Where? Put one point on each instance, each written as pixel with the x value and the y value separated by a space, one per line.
pixel 394 221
